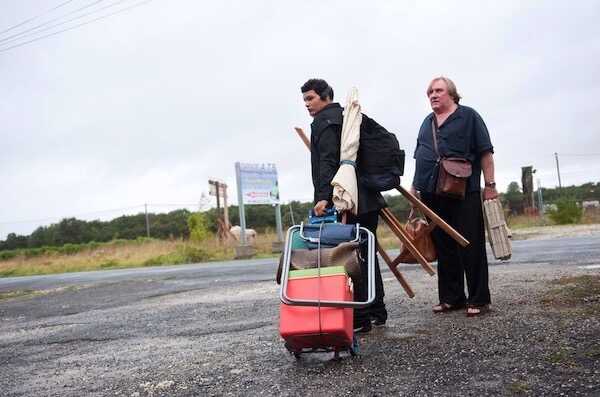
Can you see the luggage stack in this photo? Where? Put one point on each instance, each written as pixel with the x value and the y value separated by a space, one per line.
pixel 317 302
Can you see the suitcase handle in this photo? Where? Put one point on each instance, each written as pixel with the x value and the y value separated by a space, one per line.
pixel 328 235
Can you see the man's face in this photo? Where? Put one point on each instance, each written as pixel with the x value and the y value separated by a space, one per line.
pixel 439 98
pixel 313 102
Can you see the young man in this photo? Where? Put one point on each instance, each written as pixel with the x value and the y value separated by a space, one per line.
pixel 460 132
pixel 326 130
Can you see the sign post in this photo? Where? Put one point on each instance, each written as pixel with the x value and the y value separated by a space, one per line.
pixel 219 189
pixel 238 180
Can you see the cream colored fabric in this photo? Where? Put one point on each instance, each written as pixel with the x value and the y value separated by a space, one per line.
pixel 345 188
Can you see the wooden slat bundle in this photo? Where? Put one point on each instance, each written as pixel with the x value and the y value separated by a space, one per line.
pixel 497 230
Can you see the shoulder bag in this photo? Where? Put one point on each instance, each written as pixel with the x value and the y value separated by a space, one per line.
pixel 453 172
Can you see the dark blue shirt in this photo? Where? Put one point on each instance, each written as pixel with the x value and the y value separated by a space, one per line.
pixel 464 135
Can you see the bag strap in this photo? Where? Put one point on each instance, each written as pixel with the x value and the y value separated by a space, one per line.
pixel 417 213
pixel 434 131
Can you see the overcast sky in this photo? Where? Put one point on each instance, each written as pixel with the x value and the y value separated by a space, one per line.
pixel 147 105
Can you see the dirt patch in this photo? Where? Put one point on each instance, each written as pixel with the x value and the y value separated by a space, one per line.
pixel 575 292
pixel 16 294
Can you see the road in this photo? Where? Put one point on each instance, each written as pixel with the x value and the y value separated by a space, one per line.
pixel 564 251
pixel 211 329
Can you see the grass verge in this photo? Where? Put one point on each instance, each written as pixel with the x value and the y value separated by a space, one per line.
pixel 123 254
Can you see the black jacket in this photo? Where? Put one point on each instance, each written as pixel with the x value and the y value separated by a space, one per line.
pixel 325 137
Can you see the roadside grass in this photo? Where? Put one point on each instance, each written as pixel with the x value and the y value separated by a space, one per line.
pixel 386 238
pixel 526 221
pixel 138 253
pixel 125 254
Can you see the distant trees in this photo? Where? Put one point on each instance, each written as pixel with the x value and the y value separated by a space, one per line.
pixel 176 224
pixel 76 231
pixel 513 198
pixel 587 191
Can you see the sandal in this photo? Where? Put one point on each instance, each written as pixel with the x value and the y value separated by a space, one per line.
pixel 445 307
pixel 477 310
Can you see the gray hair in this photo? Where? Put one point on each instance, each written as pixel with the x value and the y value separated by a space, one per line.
pixel 451 88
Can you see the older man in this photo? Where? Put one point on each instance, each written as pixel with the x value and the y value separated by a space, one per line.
pixel 459 132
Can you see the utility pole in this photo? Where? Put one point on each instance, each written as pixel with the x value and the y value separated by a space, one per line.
pixel 147 222
pixel 540 198
pixel 558 170
pixel 291 213
pixel 225 208
pixel 278 224
pixel 219 189
pixel 527 183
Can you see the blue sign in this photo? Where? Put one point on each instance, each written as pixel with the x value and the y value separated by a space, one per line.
pixel 259 183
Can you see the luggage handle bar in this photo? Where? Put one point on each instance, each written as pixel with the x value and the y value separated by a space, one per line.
pixel 316 240
pixel 328 303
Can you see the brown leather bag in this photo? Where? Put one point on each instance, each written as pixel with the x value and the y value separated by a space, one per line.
pixel 419 232
pixel 452 177
pixel 453 172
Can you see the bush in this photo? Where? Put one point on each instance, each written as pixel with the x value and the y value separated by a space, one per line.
pixel 193 254
pixel 198 227
pixel 70 249
pixel 566 212
pixel 184 254
pixel 4 255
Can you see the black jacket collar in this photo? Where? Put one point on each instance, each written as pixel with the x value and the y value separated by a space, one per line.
pixel 329 115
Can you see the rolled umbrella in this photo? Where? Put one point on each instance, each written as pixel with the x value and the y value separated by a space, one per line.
pixel 345 188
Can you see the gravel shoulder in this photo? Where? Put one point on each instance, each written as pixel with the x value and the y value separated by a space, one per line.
pixel 222 339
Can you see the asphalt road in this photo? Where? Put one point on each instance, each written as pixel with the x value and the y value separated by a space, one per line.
pixel 564 251
pixel 212 329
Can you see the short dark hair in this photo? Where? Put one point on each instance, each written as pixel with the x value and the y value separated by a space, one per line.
pixel 320 86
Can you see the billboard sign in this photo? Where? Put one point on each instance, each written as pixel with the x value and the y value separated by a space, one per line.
pixel 258 183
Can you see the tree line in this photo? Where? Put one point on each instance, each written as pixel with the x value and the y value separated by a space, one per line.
pixel 174 225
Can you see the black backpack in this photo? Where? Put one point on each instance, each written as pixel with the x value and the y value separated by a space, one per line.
pixel 380 160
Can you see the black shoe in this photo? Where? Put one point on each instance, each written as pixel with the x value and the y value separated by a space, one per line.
pixel 363 329
pixel 378 322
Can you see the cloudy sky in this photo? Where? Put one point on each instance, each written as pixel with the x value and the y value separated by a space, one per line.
pixel 147 105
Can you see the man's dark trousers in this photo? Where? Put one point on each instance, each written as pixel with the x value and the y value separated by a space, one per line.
pixel 377 310
pixel 455 262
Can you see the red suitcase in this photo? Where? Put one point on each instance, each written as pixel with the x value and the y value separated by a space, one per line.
pixel 313 327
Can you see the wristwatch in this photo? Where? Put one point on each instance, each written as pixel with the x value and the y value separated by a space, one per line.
pixel 490 184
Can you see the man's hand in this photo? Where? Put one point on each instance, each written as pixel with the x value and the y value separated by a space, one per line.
pixel 489 193
pixel 320 208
